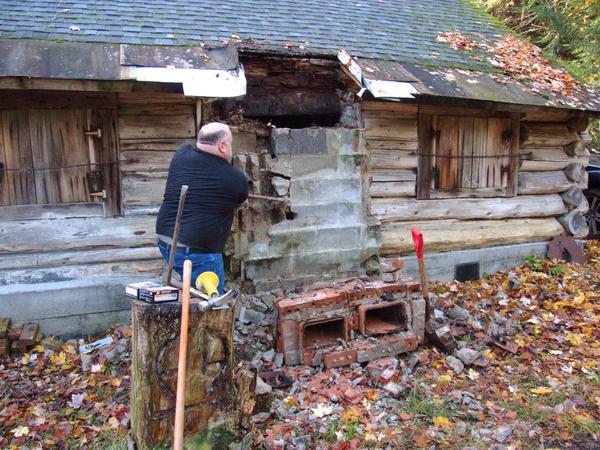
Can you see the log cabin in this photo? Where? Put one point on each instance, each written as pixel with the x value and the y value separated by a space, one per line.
pixel 370 118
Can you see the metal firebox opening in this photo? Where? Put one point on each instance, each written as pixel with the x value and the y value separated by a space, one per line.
pixel 323 333
pixel 382 318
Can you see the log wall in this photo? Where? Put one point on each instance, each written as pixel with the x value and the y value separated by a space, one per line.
pixel 551 158
pixel 76 242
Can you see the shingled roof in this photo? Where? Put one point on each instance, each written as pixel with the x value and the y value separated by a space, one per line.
pixel 395 30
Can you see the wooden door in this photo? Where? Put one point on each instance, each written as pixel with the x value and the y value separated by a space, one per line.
pixel 46 157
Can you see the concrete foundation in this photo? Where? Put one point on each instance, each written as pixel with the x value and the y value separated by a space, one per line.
pixel 442 266
pixel 68 308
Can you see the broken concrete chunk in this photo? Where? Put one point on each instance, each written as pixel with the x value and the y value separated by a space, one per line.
pixel 268 356
pixel 467 355
pixel 281 185
pixel 279 360
pixel 248 315
pixel 395 389
pixel 262 388
pixel 503 433
pixel 261 417
pixel 268 299
pixel 455 364
pixel 458 313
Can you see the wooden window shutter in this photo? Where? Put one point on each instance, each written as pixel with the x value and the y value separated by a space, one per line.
pixel 447 161
pixel 426 136
pixel 461 156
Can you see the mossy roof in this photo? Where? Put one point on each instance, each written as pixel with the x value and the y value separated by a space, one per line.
pixel 395 30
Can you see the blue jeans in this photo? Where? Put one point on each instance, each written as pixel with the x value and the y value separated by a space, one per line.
pixel 201 262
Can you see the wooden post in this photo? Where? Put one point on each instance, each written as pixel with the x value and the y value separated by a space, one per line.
pixel 211 396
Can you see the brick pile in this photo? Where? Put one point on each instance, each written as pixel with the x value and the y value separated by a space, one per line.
pixel 18 338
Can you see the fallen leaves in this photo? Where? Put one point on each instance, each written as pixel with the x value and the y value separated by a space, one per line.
pixel 534 384
pixel 50 402
pixel 544 390
pixel 519 59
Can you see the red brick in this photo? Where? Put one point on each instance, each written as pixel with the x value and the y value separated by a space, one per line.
pixel 339 359
pixel 289 338
pixel 388 375
pixel 294 304
pixel 329 296
pixel 354 396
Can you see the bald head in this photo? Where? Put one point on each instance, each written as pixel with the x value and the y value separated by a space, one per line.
pixel 215 138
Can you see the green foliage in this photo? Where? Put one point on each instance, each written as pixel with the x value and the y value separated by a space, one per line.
pixel 556 270
pixel 567 30
pixel 534 263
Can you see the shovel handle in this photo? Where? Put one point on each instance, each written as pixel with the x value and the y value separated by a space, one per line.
pixel 182 365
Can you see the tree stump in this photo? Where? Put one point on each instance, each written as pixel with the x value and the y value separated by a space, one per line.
pixel 211 395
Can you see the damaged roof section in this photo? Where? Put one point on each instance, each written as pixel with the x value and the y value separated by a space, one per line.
pixel 476 85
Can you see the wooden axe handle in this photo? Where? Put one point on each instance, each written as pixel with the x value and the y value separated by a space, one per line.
pixel 181 367
pixel 182 195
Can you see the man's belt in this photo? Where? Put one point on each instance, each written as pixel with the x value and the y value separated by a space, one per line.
pixel 168 242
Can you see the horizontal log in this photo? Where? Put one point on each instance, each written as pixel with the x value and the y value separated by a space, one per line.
pixel 561 116
pixel 153 109
pixel 448 235
pixel 392 189
pixel 17 99
pixel 574 197
pixel 393 175
pixel 141 126
pixel 145 161
pixel 391 129
pixel 145 188
pixel 389 106
pixel 575 224
pixel 383 144
pixel 60 211
pixel 547 159
pixel 442 110
pixel 468 208
pixel 146 98
pixel 53 259
pixel 142 210
pixel 532 183
pixel 147 269
pixel 393 159
pixel 549 134
pixel 576 148
pixel 575 172
pixel 395 115
pixel 76 234
pixel 154 145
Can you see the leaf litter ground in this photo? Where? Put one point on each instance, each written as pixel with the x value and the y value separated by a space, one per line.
pixel 526 375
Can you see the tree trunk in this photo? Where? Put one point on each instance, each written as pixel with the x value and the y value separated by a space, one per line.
pixel 211 396
pixel 575 224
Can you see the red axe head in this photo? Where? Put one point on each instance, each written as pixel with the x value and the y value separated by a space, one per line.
pixel 418 241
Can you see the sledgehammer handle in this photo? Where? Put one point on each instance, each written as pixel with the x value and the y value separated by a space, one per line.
pixel 182 195
pixel 182 365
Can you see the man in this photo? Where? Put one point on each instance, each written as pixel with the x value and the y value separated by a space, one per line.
pixel 216 189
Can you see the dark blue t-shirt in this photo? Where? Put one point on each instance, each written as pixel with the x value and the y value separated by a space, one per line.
pixel 216 188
